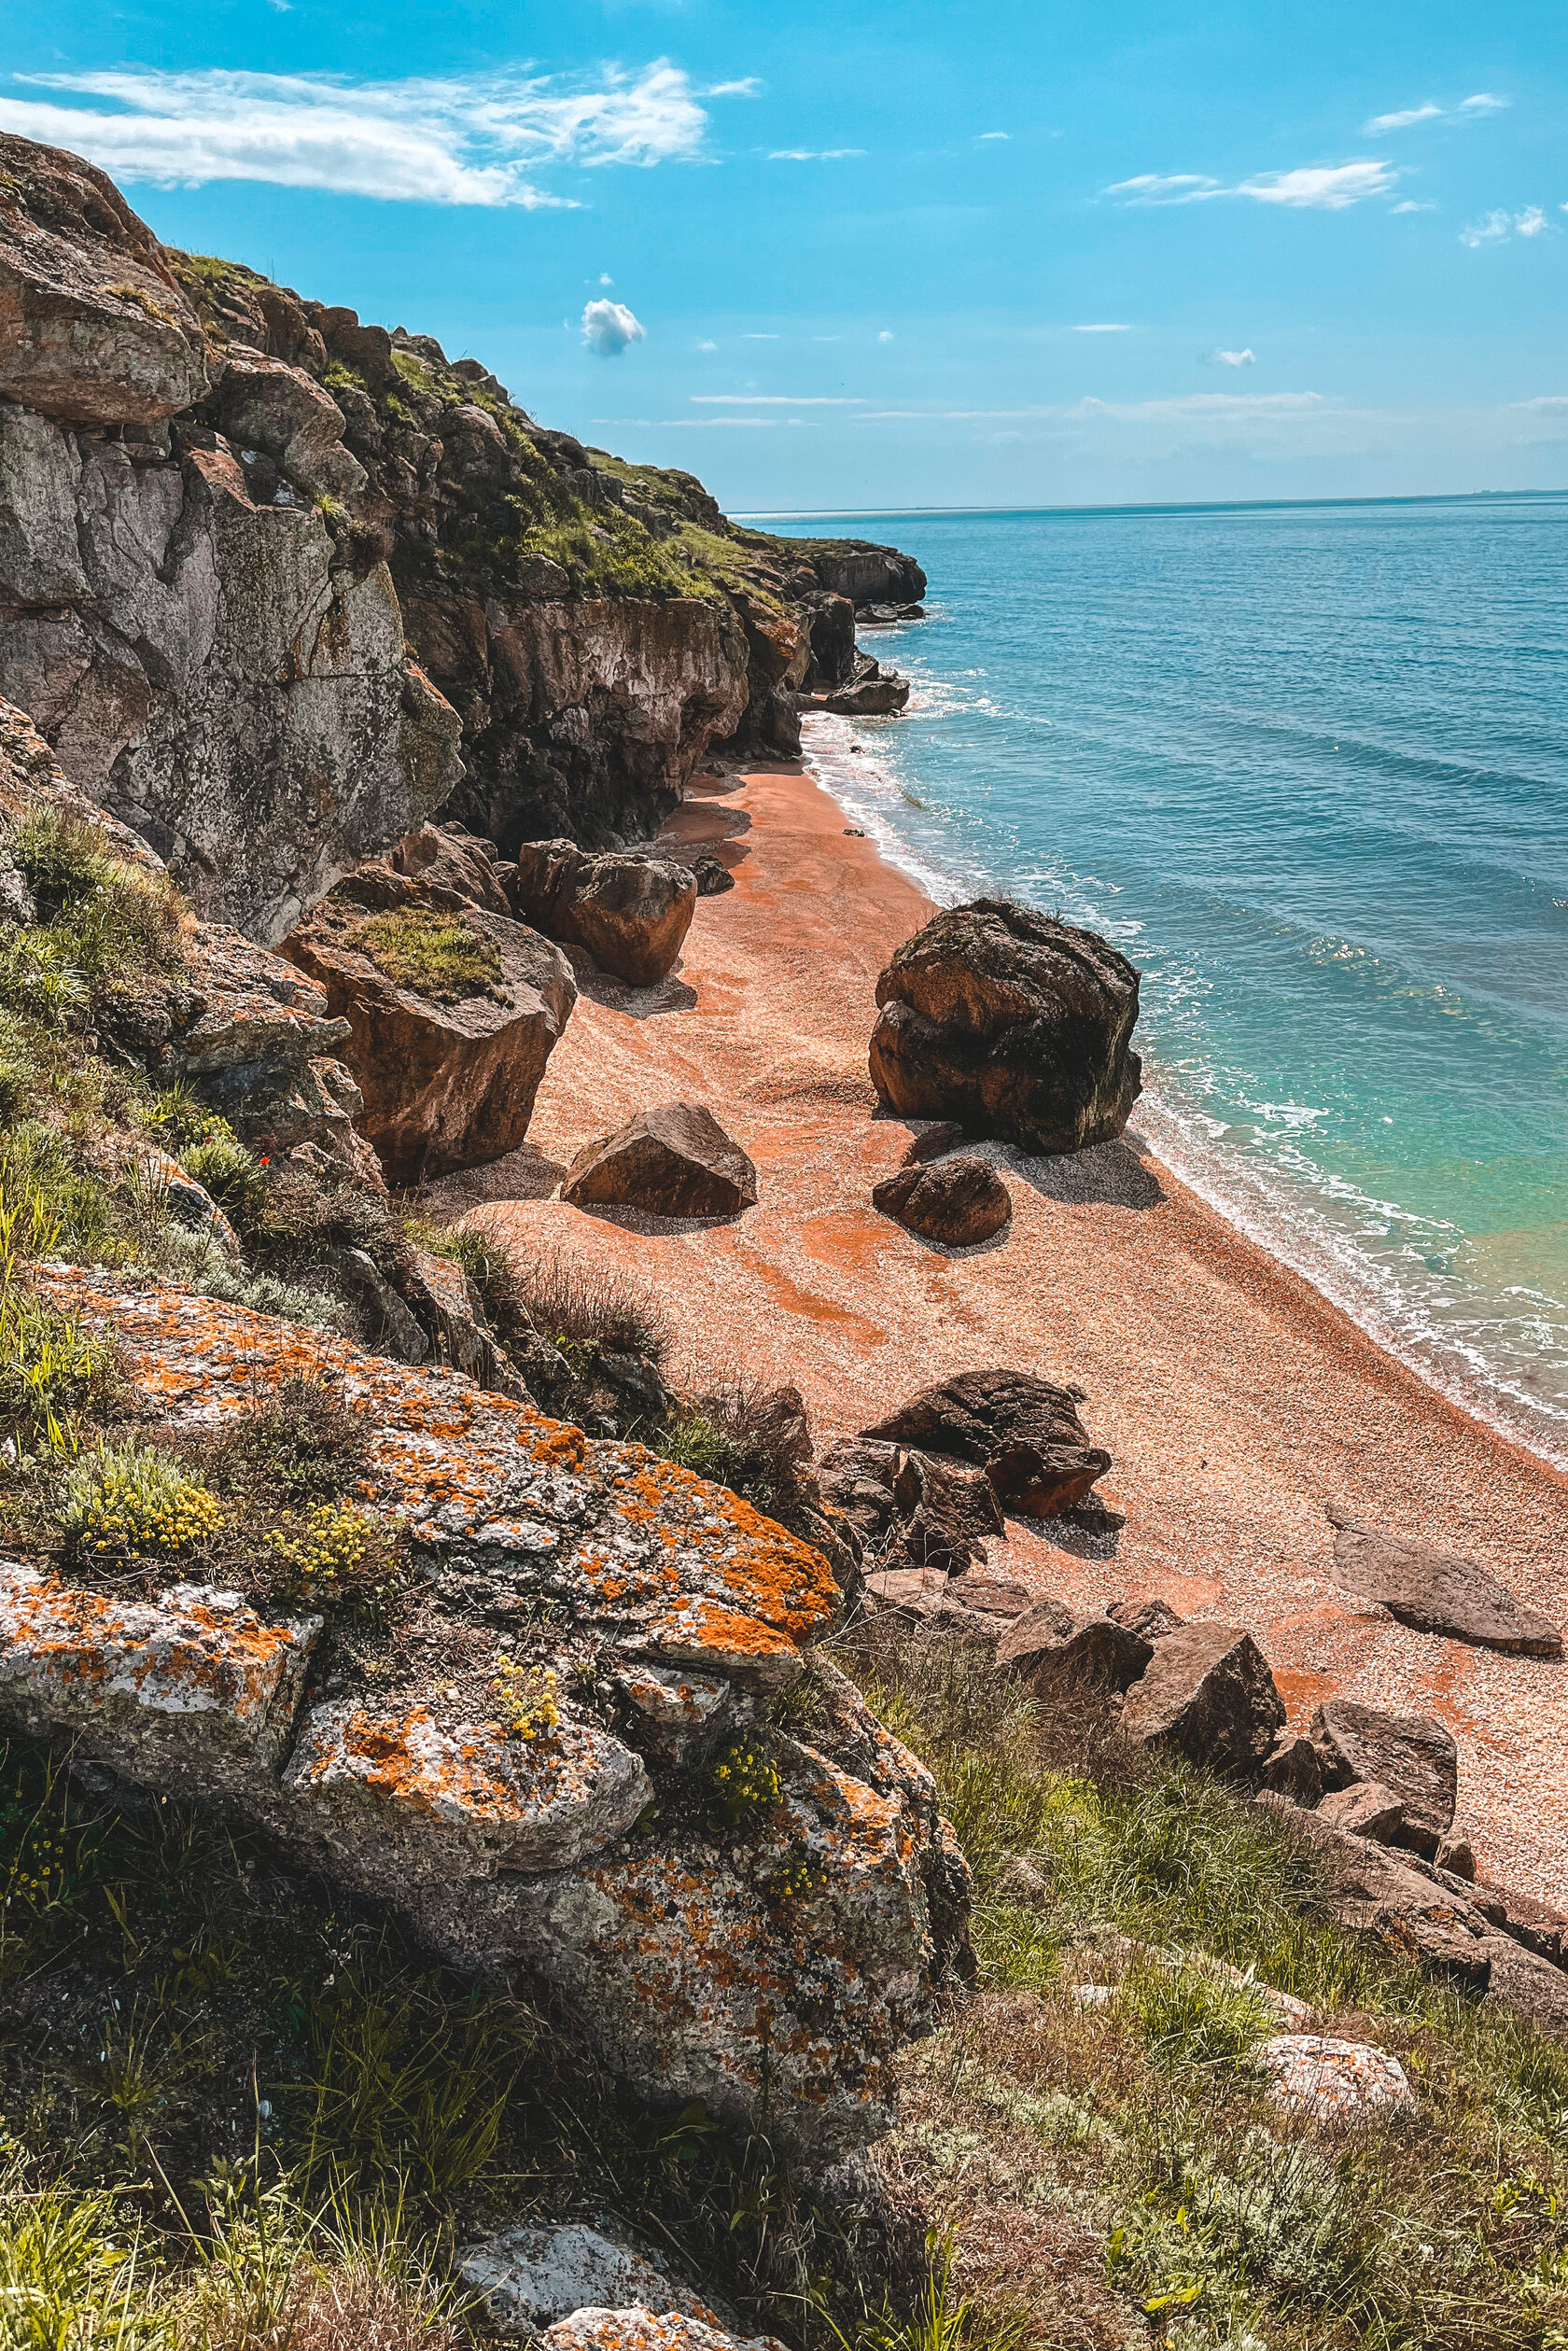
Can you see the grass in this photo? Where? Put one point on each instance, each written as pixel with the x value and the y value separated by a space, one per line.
pixel 436 955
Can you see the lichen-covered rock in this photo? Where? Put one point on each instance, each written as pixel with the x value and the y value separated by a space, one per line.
pixel 1332 2079
pixel 630 913
pixel 528 2278
pixel 638 2328
pixel 769 1962
pixel 1011 1023
pixel 446 1081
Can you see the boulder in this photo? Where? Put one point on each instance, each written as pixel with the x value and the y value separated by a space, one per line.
pixel 1053 1643
pixel 1527 1985
pixel 771 1971
pixel 713 877
pixel 446 1083
pixel 960 1202
pixel 1151 1618
pixel 1011 1022
pixel 1208 1695
pixel 1292 1770
pixel 1022 1431
pixel 944 1513
pixel 857 1476
pixel 1412 1755
pixel 93 328
pixel 266 404
pixel 1455 1853
pixel 1437 1591
pixel 875 693
pixel 528 2279
pixel 630 913
pixel 1333 2080
pixel 674 1160
pixel 452 868
pixel 1366 1809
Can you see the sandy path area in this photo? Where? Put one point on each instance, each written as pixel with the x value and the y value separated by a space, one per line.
pixel 1236 1403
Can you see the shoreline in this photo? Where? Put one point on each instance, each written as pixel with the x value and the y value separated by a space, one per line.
pixel 1235 1400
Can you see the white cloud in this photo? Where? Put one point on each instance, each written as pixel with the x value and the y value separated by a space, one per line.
pixel 771 399
pixel 470 140
pixel 1496 227
pixel 1484 101
pixel 993 134
pixel 609 327
pixel 758 338
pixel 746 87
pixel 1215 410
pixel 1311 188
pixel 699 424
pixel 1402 120
pixel 812 154
pixel 1544 400
pixel 1233 358
pixel 1408 203
pixel 886 336
pixel 1103 327
pixel 605 278
pixel 707 347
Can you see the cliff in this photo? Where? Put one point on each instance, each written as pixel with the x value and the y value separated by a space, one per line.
pixel 275 583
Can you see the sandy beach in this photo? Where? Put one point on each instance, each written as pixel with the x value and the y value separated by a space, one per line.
pixel 1237 1404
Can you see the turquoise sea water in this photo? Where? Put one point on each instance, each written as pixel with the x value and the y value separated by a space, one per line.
pixel 1309 768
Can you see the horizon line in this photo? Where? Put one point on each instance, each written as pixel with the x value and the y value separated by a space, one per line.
pixel 1171 506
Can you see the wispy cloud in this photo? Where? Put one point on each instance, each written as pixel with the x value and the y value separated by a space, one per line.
pixel 1311 188
pixel 700 424
pixel 707 347
pixel 812 154
pixel 1497 228
pixel 471 140
pixel 1544 400
pixel 1233 358
pixel 771 399
pixel 1408 203
pixel 1485 101
pixel 1103 327
pixel 985 135
pixel 610 328
pixel 758 338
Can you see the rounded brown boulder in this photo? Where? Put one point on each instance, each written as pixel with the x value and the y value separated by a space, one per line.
pixel 1013 1023
pixel 958 1202
pixel 674 1160
pixel 630 913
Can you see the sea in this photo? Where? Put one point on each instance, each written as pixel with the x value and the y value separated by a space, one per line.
pixel 1308 767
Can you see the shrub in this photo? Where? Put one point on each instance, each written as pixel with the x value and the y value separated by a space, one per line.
pixel 36 1166
pixel 298 1444
pixel 115 920
pixel 745 1784
pixel 208 1268
pixel 225 1168
pixel 436 955
pixel 132 1499
pixel 331 1546
pixel 573 1304
pixel 526 1698
pixel 726 1435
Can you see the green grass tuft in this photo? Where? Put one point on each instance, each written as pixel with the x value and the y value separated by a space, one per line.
pixel 435 955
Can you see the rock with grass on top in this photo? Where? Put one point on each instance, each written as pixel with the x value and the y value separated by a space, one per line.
pixel 674 1160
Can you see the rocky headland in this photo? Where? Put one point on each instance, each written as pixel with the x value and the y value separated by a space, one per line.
pixel 680 1647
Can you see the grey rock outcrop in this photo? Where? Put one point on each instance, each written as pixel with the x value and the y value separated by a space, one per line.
pixel 673 1160
pixel 1012 1024
pixel 631 913
pixel 528 2279
pixel 1437 1591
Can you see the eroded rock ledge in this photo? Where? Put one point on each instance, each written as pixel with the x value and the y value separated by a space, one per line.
pixel 771 1968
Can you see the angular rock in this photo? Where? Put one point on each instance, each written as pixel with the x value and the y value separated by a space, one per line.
pixel 1332 2079
pixel 528 2279
pixel 944 1135
pixel 960 1202
pixel 1412 1755
pixel 1530 1986
pixel 779 1971
pixel 1051 1642
pixel 1437 1591
pixel 1208 1695
pixel 93 326
pixel 445 1085
pixel 1023 1431
pixel 674 1160
pixel 1292 1770
pixel 1151 1617
pixel 266 404
pixel 640 2330
pixel 945 1513
pixel 1402 1898
pixel 1537 1924
pixel 630 913
pixel 713 877
pixel 1011 1023
pixel 1366 1809
pixel 677 1717
pixel 452 868
pixel 1454 1853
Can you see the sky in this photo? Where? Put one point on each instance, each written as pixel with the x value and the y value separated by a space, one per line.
pixel 896 256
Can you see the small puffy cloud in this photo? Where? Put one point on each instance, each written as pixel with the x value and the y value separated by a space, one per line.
pixel 1408 203
pixel 1103 327
pixel 1233 358
pixel 1496 227
pixel 886 336
pixel 605 278
pixel 609 327
pixel 747 88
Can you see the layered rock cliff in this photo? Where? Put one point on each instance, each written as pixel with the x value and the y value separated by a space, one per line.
pixel 276 583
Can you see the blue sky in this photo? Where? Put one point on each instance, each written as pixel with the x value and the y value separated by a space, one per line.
pixel 902 255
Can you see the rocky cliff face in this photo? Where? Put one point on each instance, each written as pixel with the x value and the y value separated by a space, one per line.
pixel 276 583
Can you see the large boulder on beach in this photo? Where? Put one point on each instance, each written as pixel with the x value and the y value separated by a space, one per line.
pixel 1011 1023
pixel 1412 1755
pixel 674 1160
pixel 958 1203
pixel 1437 1591
pixel 631 913
pixel 452 1017
pixel 1023 1431
pixel 1208 1695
